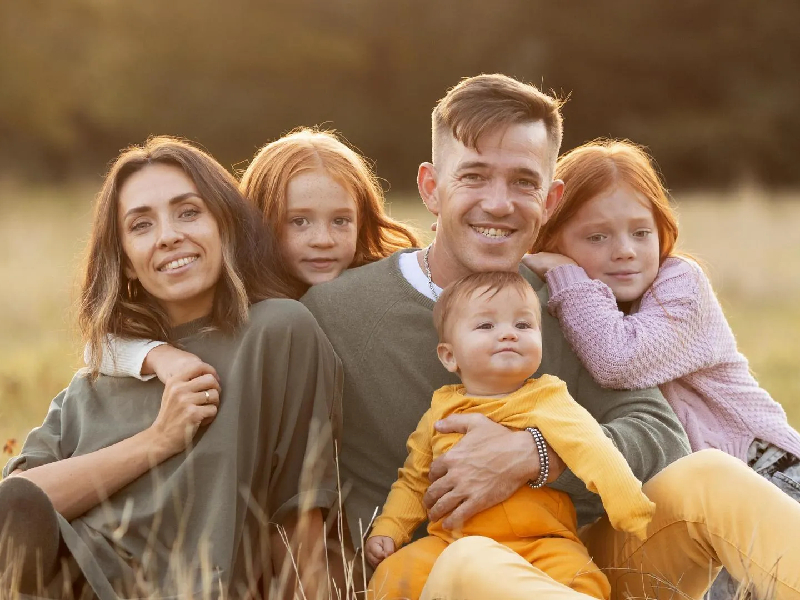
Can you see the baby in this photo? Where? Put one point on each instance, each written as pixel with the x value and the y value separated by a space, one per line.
pixel 489 333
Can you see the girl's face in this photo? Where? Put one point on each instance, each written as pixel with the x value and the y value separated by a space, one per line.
pixel 318 239
pixel 171 241
pixel 615 239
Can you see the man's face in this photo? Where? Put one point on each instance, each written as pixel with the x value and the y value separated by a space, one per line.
pixel 491 201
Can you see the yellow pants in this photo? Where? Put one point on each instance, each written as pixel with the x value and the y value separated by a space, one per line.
pixel 711 510
pixel 537 525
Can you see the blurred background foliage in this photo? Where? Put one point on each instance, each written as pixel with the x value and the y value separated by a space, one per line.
pixel 711 87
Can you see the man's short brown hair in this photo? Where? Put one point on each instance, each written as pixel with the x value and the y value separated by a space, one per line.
pixel 482 103
pixel 492 281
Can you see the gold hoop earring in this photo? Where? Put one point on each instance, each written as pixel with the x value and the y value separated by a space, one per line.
pixel 133 290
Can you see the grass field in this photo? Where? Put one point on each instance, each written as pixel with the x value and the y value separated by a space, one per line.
pixel 749 242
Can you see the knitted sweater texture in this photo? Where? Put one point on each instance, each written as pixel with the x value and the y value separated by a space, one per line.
pixel 382 329
pixel 678 339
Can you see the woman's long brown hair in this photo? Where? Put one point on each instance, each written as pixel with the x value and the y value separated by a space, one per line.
pixel 250 271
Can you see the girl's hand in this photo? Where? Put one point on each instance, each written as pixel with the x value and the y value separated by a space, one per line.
pixel 190 399
pixel 165 361
pixel 541 262
pixel 378 548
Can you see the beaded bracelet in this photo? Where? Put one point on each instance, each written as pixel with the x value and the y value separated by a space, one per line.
pixel 544 460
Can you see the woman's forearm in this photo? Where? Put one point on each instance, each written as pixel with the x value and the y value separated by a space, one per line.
pixel 77 484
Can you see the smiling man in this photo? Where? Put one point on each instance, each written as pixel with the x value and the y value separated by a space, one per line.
pixel 495 144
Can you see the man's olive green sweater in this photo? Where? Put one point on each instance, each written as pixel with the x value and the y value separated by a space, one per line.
pixel 382 330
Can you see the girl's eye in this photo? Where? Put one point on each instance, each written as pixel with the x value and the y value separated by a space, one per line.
pixel 597 237
pixel 642 233
pixel 299 221
pixel 523 325
pixel 485 326
pixel 341 221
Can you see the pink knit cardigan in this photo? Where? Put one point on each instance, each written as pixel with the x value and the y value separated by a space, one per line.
pixel 677 339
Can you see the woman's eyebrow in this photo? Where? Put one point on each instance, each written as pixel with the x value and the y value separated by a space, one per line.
pixel 137 210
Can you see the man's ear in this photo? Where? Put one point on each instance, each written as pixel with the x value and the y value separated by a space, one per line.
pixel 445 353
pixel 426 183
pixel 554 195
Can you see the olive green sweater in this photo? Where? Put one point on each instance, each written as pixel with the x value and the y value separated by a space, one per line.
pixel 382 329
pixel 202 514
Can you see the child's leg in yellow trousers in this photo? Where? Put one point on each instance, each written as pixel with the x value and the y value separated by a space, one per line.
pixel 404 573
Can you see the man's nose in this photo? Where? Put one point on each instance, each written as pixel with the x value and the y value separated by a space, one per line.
pixel 497 201
pixel 321 237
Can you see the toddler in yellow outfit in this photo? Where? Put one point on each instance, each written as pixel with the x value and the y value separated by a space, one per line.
pixel 489 333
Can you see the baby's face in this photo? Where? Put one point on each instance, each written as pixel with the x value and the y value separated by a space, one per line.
pixel 496 341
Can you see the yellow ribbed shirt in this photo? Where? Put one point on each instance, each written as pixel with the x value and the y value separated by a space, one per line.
pixel 567 427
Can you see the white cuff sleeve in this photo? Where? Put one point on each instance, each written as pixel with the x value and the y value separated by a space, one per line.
pixel 123 357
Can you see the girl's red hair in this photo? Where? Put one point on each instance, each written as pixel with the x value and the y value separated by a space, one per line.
pixel 266 179
pixel 598 167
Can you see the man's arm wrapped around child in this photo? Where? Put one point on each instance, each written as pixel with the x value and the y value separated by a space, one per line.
pixel 579 440
pixel 404 510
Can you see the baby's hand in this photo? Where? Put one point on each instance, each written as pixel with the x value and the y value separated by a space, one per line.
pixel 165 361
pixel 377 548
pixel 541 262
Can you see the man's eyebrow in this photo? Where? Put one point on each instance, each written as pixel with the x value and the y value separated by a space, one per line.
pixel 137 210
pixel 473 164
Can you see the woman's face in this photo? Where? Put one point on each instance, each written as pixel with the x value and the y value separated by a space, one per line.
pixel 318 239
pixel 615 239
pixel 171 241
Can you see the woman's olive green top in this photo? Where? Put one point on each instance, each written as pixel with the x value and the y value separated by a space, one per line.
pixel 199 519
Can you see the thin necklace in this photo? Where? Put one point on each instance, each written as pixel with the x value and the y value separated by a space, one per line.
pixel 428 272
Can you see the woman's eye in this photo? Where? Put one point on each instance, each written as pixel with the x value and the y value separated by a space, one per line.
pixel 485 326
pixel 139 225
pixel 189 213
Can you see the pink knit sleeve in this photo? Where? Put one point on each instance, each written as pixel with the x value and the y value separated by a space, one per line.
pixel 665 339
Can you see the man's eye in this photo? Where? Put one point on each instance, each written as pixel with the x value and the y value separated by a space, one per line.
pixel 525 183
pixel 485 326
pixel 472 177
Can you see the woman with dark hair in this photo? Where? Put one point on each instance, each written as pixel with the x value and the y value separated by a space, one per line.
pixel 133 488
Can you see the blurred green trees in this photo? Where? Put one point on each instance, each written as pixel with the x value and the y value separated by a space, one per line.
pixel 711 87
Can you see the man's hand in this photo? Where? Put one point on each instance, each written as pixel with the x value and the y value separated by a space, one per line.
pixel 541 262
pixel 378 548
pixel 484 468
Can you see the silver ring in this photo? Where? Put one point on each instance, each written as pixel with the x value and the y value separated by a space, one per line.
pixel 208 397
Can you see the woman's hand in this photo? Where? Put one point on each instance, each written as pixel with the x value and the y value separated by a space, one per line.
pixel 190 399
pixel 377 548
pixel 541 262
pixel 165 361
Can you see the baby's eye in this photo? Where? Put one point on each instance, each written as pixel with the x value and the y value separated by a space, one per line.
pixel 524 325
pixel 485 326
pixel 299 221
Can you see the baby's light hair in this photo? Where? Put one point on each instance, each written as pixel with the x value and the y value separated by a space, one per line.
pixel 491 282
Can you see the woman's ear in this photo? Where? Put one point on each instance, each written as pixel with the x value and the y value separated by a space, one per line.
pixel 445 353
pixel 426 183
